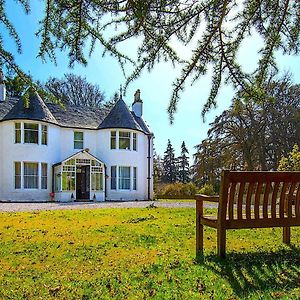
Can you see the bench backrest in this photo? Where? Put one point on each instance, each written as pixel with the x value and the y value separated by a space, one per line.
pixel 260 199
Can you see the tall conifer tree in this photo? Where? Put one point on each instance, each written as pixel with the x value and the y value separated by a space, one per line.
pixel 169 164
pixel 183 165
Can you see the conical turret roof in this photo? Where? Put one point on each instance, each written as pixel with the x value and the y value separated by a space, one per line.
pixel 120 117
pixel 37 110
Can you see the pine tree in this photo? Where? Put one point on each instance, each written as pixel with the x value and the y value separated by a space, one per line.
pixel 158 169
pixel 169 165
pixel 183 165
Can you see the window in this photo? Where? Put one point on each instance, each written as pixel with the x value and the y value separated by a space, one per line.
pixel 17 175
pixel 31 175
pixel 17 133
pixel 31 133
pixel 44 135
pixel 113 182
pixel 97 181
pixel 44 176
pixel 124 140
pixel 124 178
pixel 78 140
pixel 57 182
pixel 113 139
pixel 134 142
pixel 134 178
pixel 97 177
pixel 68 181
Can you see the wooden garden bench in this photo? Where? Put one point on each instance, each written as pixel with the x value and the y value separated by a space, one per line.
pixel 251 200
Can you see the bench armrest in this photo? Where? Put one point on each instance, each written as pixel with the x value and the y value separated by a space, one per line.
pixel 200 197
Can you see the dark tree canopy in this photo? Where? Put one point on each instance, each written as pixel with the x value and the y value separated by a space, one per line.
pixel 75 90
pixel 251 136
pixel 211 30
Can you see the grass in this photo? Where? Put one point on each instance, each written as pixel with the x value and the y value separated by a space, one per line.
pixel 139 254
pixel 177 200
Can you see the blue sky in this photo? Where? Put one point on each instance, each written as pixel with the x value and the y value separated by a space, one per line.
pixel 155 86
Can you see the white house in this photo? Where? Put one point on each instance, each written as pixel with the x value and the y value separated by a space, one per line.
pixel 74 152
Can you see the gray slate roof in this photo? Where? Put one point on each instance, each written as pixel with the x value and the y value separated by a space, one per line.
pixel 37 110
pixel 72 116
pixel 121 117
pixel 77 116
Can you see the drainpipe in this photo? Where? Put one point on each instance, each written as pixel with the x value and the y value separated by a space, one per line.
pixel 149 165
pixel 53 178
pixel 105 182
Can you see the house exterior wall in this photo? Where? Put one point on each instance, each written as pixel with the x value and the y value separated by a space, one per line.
pixel 60 146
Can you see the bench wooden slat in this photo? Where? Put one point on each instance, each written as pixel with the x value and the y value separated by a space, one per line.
pixel 231 200
pixel 297 206
pixel 274 199
pixel 257 200
pixel 266 200
pixel 289 200
pixel 240 201
pixel 263 176
pixel 248 200
pixel 282 199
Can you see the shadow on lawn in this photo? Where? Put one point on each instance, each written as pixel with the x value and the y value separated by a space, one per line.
pixel 258 271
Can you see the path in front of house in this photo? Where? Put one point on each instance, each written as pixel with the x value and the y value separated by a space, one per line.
pixel 19 207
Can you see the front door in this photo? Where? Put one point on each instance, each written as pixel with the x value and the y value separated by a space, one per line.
pixel 82 182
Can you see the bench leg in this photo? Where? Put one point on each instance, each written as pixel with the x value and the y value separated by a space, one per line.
pixel 287 235
pixel 199 238
pixel 199 228
pixel 221 240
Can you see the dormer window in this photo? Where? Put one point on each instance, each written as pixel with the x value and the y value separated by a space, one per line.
pixel 78 140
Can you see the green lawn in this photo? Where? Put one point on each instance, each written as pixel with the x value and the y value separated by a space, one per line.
pixel 139 254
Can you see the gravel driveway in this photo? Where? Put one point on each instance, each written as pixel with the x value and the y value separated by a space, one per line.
pixel 18 207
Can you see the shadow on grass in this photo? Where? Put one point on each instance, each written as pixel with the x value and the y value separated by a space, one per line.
pixel 258 271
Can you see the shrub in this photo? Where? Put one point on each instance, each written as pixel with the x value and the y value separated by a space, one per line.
pixel 177 190
pixel 292 162
pixel 207 189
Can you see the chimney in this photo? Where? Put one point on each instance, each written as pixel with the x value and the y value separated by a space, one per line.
pixel 2 87
pixel 137 105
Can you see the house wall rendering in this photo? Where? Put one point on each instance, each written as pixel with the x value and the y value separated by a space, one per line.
pixel 38 157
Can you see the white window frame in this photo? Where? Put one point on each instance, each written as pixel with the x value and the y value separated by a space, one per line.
pixel 130 178
pixel 38 175
pixel 133 137
pixel 134 179
pixel 128 138
pixel 134 141
pixel 44 176
pixel 78 140
pixel 20 175
pixel 38 133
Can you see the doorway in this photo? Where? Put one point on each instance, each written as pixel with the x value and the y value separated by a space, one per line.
pixel 82 182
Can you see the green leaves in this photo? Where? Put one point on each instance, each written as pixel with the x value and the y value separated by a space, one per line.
pixel 211 33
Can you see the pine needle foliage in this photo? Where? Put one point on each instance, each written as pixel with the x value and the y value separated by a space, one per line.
pixel 211 30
